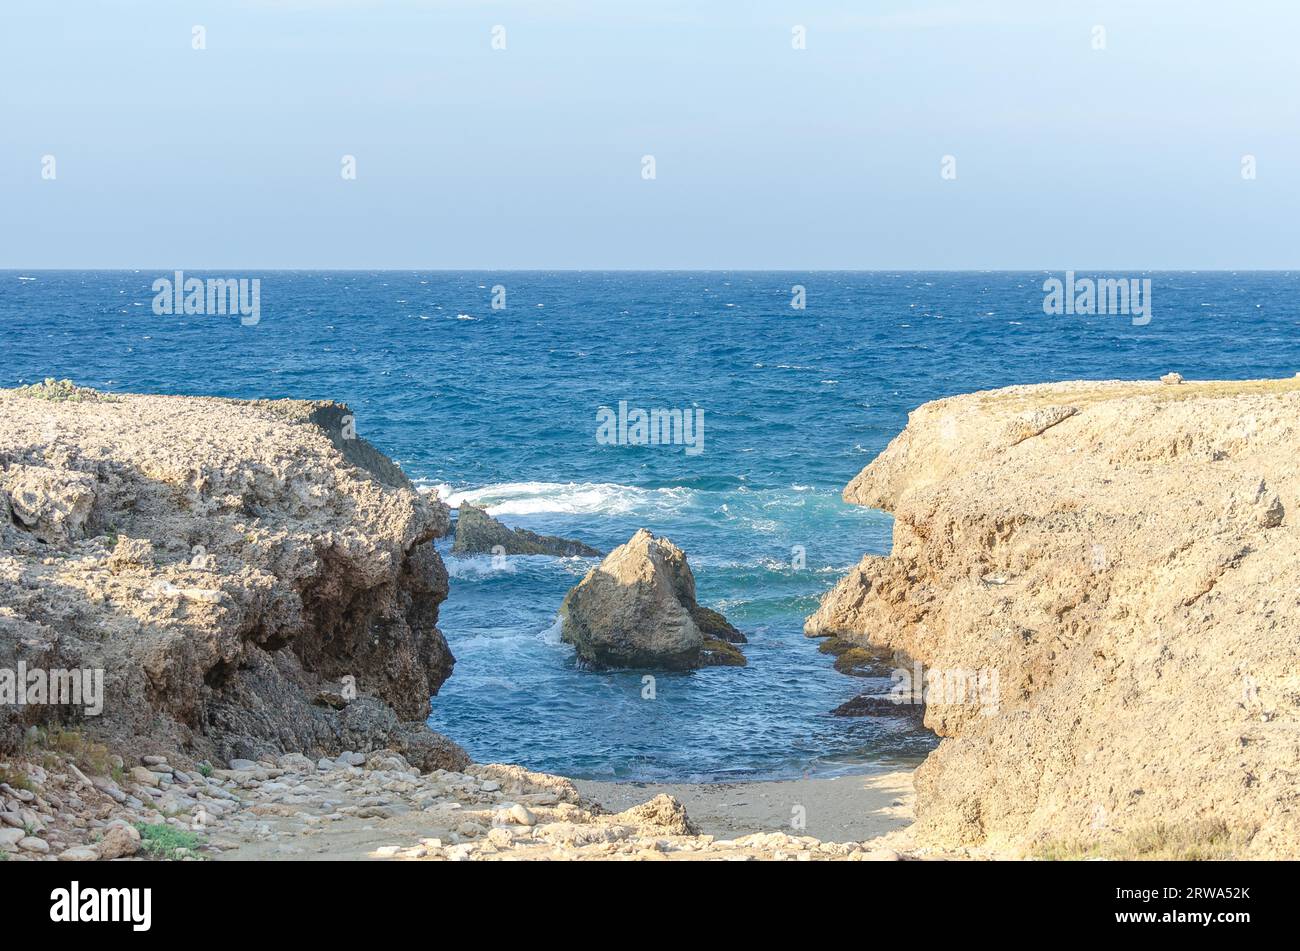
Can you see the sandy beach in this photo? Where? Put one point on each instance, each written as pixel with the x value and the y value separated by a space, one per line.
pixel 834 809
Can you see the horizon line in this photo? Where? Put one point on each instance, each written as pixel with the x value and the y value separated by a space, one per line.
pixel 668 270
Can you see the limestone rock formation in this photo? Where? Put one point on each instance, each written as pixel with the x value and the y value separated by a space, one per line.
pixel 478 533
pixel 1101 581
pixel 224 563
pixel 637 608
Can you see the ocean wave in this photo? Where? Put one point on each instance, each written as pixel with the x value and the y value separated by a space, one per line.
pixel 553 633
pixel 469 567
pixel 569 498
pixel 476 566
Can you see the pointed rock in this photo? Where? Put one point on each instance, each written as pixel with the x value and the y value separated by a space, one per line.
pixel 637 608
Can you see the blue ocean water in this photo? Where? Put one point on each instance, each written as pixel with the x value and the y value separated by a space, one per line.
pixel 500 407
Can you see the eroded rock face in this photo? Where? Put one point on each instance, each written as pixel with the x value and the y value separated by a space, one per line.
pixel 224 563
pixel 637 608
pixel 478 533
pixel 1122 558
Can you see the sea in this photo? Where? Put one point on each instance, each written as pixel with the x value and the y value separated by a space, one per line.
pixel 491 387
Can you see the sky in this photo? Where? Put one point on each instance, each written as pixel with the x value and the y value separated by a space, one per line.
pixel 765 156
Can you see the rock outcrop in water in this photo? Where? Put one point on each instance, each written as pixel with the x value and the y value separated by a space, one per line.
pixel 251 577
pixel 478 533
pixel 637 608
pixel 1101 581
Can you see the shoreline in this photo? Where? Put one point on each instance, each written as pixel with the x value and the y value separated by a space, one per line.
pixel 854 807
pixel 278 614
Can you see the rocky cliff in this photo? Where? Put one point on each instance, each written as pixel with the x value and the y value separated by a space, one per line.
pixel 1101 585
pixel 250 576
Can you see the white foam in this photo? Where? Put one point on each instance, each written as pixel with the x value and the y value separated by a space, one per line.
pixel 476 566
pixel 569 498
pixel 552 634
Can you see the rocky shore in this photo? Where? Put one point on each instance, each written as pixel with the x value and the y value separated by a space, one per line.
pixel 1096 585
pixel 1092 586
pixel 376 807
pixel 258 589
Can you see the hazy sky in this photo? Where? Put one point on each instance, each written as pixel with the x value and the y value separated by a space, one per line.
pixel 765 156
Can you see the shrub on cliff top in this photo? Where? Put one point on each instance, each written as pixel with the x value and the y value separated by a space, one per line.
pixel 64 391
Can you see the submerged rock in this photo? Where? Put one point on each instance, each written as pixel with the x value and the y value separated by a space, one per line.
pixel 880 705
pixel 637 608
pixel 478 533
pixel 857 660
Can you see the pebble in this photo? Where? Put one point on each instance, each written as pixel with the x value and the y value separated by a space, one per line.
pixel 143 776
pixel 119 841
pixel 78 853
pixel 521 815
pixel 879 855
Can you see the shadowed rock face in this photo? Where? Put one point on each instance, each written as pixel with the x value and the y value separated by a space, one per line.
pixel 1123 557
pixel 637 608
pixel 236 568
pixel 478 533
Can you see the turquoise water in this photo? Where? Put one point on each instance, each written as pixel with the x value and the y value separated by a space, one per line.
pixel 499 406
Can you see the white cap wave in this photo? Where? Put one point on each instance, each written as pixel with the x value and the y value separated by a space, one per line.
pixel 573 498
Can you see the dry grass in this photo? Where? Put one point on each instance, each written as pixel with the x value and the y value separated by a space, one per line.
pixel 14 777
pixel 1197 842
pixel 90 757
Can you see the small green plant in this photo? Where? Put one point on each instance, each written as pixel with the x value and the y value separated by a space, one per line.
pixel 64 391
pixel 162 841
pixel 205 769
